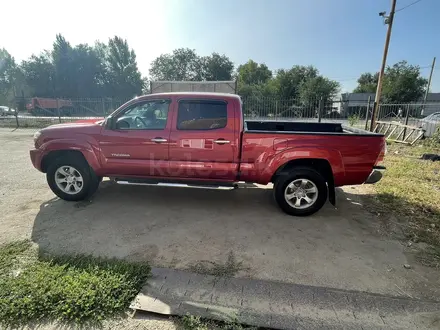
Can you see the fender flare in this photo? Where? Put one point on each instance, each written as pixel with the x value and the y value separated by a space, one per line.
pixel 332 156
pixel 280 159
pixel 86 149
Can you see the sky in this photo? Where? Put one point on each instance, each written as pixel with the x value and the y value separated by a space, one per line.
pixel 342 38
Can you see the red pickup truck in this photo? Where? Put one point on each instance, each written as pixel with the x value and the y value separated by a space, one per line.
pixel 202 140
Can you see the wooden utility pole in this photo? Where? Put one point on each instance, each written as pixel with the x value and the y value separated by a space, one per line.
pixel 429 85
pixel 389 21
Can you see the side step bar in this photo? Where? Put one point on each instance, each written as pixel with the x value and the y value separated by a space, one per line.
pixel 178 185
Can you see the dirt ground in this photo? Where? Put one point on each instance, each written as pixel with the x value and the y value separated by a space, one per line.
pixel 173 227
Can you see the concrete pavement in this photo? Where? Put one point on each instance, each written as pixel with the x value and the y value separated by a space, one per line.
pixel 281 305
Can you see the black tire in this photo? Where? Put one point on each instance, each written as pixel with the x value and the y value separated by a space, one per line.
pixel 301 173
pixel 90 180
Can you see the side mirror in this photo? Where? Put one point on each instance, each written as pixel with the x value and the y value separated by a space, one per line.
pixel 110 123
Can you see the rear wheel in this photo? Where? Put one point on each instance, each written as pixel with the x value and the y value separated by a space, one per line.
pixel 301 192
pixel 72 179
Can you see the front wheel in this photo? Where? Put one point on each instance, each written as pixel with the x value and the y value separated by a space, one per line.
pixel 301 192
pixel 71 179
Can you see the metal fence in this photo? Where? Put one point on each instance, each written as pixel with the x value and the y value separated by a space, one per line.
pixel 293 109
pixel 349 113
pixel 26 112
pixel 425 116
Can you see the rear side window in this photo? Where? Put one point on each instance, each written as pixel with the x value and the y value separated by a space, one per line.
pixel 201 115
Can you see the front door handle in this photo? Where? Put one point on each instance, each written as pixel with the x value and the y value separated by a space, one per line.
pixel 159 140
pixel 222 141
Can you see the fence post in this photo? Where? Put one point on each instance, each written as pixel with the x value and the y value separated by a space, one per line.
pixel 373 119
pixel 103 107
pixel 276 109
pixel 320 108
pixel 406 120
pixel 368 111
pixel 15 114
pixel 58 110
pixel 16 106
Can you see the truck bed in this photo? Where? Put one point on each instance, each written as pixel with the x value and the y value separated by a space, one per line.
pixel 302 127
pixel 351 152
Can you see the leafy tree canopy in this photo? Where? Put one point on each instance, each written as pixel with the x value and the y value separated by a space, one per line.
pixel 183 64
pixel 7 71
pixel 110 69
pixel 83 71
pixel 367 83
pixel 252 73
pixel 402 83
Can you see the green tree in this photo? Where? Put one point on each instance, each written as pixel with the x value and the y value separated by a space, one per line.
pixel 122 77
pixel 403 83
pixel 89 72
pixel 255 84
pixel 318 87
pixel 182 64
pixel 39 73
pixel 258 89
pixel 101 51
pixel 65 71
pixel 252 73
pixel 8 70
pixel 367 83
pixel 288 82
pixel 77 69
pixel 84 71
pixel 216 67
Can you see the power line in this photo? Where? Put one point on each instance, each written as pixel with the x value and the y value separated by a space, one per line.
pixel 345 79
pixel 413 3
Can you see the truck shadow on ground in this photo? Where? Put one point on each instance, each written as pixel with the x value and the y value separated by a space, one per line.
pixel 121 217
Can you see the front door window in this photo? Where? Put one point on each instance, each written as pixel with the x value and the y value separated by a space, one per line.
pixel 149 115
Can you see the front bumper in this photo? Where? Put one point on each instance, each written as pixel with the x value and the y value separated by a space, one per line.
pixel 376 174
pixel 36 157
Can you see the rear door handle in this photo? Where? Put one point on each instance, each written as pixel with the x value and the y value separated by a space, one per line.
pixel 222 141
pixel 159 140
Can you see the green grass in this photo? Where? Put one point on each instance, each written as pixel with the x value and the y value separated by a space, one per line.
pixel 190 322
pixel 69 289
pixel 354 119
pixel 434 141
pixel 410 189
pixel 10 256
